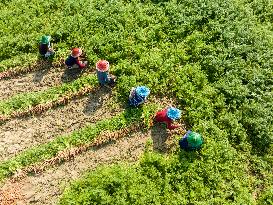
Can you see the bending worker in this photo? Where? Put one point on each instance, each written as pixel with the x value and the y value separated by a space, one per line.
pixel 191 141
pixel 45 49
pixel 73 61
pixel 102 69
pixel 168 115
pixel 138 95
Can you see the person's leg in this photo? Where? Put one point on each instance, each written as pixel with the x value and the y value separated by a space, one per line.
pixel 112 80
pixel 75 66
pixel 49 53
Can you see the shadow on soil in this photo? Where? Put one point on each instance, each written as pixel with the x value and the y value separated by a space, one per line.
pixel 71 74
pixel 159 136
pixel 45 66
pixel 96 99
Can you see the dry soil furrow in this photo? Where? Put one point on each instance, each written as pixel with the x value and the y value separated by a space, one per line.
pixel 47 187
pixel 19 134
pixel 36 81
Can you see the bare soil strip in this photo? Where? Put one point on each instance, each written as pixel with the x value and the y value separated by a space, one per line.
pixel 69 154
pixel 39 80
pixel 19 134
pixel 47 187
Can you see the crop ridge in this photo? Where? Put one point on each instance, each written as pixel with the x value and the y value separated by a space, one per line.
pixel 39 129
pixel 40 108
pixel 70 154
pixel 37 66
pixel 33 188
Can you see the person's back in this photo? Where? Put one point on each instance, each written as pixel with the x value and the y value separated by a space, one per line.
pixel 167 116
pixel 70 61
pixel 191 141
pixel 43 48
pixel 138 95
pixel 102 77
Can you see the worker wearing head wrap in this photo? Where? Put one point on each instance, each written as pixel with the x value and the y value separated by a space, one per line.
pixel 191 141
pixel 138 95
pixel 45 49
pixel 73 61
pixel 103 69
pixel 168 115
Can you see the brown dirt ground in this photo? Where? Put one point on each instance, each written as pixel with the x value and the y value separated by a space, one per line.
pixel 38 80
pixel 19 134
pixel 47 187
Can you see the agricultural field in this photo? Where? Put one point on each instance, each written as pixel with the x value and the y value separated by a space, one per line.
pixel 66 140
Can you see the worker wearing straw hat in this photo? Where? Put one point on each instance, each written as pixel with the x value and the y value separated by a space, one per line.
pixel 73 61
pixel 103 69
pixel 191 141
pixel 168 115
pixel 45 49
pixel 138 95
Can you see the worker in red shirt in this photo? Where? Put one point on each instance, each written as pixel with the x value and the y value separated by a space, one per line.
pixel 168 115
pixel 73 61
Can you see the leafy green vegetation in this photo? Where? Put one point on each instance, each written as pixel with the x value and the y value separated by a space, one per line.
pixel 22 60
pixel 79 137
pixel 178 179
pixel 213 56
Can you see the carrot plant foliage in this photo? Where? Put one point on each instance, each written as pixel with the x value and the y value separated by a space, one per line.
pixel 215 57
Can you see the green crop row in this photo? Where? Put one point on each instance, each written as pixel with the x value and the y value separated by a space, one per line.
pixel 26 60
pixel 216 175
pixel 213 56
pixel 23 60
pixel 26 100
pixel 79 137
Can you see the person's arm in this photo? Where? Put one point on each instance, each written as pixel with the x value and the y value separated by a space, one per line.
pixel 81 65
pixel 170 126
pixel 132 92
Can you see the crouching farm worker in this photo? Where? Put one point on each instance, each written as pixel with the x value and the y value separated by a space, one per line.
pixel 167 116
pixel 102 69
pixel 45 49
pixel 191 141
pixel 138 95
pixel 73 61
